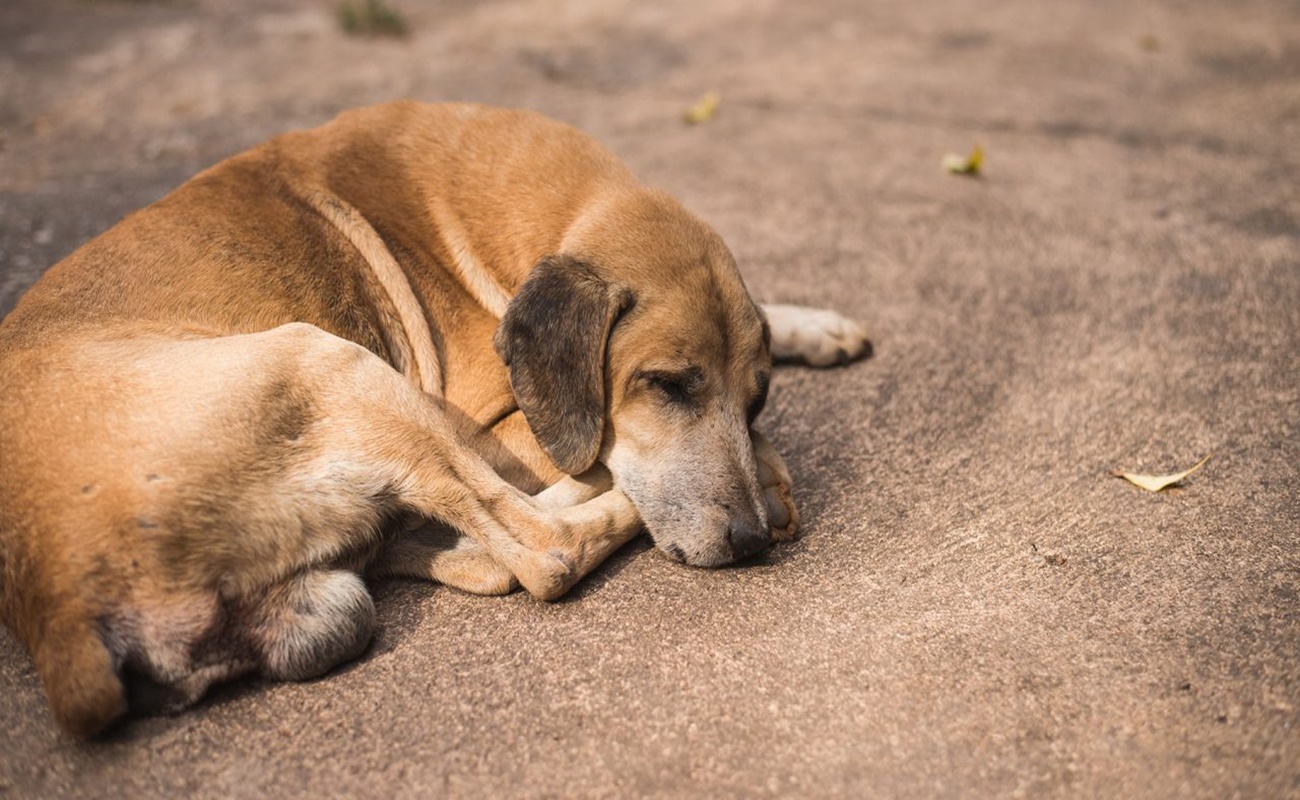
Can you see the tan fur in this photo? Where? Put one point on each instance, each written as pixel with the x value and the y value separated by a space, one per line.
pixel 410 341
pixel 218 411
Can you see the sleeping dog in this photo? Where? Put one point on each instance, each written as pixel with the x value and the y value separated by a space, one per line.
pixel 443 341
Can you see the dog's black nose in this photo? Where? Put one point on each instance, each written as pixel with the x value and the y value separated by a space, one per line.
pixel 747 539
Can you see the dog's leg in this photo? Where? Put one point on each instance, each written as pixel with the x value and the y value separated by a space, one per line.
pixel 601 516
pixel 816 336
pixel 437 552
pixel 433 551
pixel 376 437
pixel 546 550
pixel 308 624
pixel 782 514
pixel 819 338
pixel 297 629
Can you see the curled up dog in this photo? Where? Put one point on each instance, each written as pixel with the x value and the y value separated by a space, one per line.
pixel 442 341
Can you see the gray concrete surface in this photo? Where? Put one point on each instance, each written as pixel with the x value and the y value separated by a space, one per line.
pixel 977 609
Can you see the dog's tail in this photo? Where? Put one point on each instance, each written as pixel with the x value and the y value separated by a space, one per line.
pixel 83 688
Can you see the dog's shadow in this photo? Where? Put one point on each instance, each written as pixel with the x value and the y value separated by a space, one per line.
pixel 400 612
pixel 598 578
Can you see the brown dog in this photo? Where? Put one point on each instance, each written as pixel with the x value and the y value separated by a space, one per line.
pixel 218 413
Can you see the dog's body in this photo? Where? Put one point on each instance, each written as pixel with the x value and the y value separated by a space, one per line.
pixel 220 411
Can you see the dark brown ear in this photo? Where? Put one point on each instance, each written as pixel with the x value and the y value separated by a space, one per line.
pixel 553 338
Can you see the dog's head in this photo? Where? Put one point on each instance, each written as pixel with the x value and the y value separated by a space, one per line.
pixel 639 347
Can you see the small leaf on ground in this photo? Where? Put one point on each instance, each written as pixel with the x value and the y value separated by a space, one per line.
pixel 965 165
pixel 371 18
pixel 1154 483
pixel 703 110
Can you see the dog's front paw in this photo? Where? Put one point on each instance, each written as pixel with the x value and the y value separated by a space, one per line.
pixel 817 336
pixel 547 576
pixel 774 478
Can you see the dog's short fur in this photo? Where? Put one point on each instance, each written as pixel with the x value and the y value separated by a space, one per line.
pixel 218 413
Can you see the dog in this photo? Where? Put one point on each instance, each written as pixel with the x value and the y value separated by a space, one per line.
pixel 442 341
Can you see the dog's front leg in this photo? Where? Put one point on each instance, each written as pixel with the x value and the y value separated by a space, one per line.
pixel 817 337
pixel 434 551
pixel 774 478
pixel 431 550
pixel 546 549
pixel 549 550
pixel 595 519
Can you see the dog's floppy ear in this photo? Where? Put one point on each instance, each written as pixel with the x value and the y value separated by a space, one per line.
pixel 553 338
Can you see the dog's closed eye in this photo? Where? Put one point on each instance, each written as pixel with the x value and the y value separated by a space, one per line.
pixel 678 388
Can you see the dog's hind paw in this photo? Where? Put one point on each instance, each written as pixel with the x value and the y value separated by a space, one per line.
pixel 817 336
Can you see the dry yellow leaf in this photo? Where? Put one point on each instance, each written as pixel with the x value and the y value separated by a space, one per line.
pixel 704 109
pixel 965 165
pixel 1154 483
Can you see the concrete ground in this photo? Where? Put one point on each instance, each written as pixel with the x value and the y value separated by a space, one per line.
pixel 977 608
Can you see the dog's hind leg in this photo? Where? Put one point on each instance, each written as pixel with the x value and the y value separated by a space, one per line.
pixel 310 623
pixel 818 337
pixel 296 629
